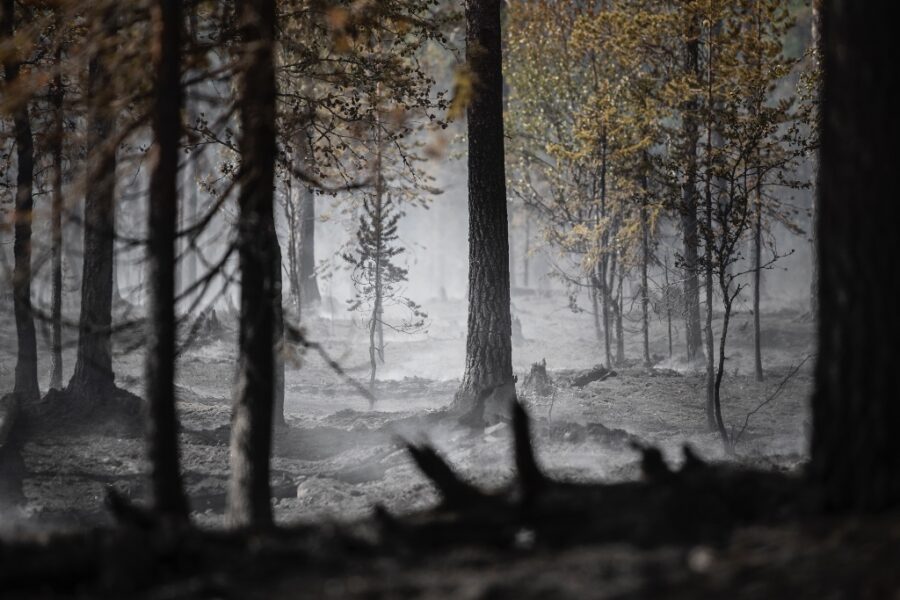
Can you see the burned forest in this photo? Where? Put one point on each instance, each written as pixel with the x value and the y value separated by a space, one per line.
pixel 448 299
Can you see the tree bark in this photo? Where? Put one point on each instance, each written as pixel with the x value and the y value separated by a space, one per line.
pixel 489 339
pixel 93 376
pixel 757 282
pixel 814 208
pixel 645 260
pixel 689 209
pixel 856 416
pixel 162 425
pixel 26 383
pixel 249 491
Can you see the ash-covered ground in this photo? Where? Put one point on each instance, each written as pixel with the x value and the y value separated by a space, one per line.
pixel 338 459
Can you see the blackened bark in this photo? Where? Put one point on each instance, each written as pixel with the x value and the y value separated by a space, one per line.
pixel 645 260
pixel 56 151
pixel 814 208
pixel 856 416
pixel 620 327
pixel 26 383
pixel 689 209
pixel 249 491
pixel 162 423
pixel 93 376
pixel 489 339
pixel 757 282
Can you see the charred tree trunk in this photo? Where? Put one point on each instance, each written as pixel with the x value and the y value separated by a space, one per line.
pixel 162 425
pixel 26 382
pixel 603 265
pixel 56 152
pixel 489 339
pixel 291 216
pixel 668 304
pixel 814 208
pixel 757 282
pixel 855 446
pixel 708 242
pixel 93 376
pixel 249 491
pixel 620 327
pixel 689 210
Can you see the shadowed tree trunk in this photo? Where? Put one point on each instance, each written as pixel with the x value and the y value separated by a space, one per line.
pixel 689 210
pixel 489 339
pixel 856 416
pixel 93 376
pixel 26 383
pixel 162 424
pixel 757 283
pixel 249 491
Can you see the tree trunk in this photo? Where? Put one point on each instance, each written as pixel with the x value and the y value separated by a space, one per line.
pixel 689 210
pixel 249 491
pixel 603 265
pixel 856 416
pixel 645 260
pixel 93 376
pixel 620 327
pixel 309 285
pixel 26 383
pixel 489 338
pixel 757 281
pixel 668 304
pixel 291 216
pixel 708 241
pixel 162 425
pixel 814 208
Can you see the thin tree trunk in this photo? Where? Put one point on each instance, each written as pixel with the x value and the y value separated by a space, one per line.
pixel 162 425
pixel 26 383
pixel 720 369
pixel 855 447
pixel 668 304
pixel 249 491
pixel 93 376
pixel 489 338
pixel 757 281
pixel 620 327
pixel 645 259
pixel 290 215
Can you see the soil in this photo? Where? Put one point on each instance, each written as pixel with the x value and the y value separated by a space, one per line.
pixel 338 460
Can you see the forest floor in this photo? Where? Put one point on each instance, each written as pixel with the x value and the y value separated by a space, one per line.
pixel 338 460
